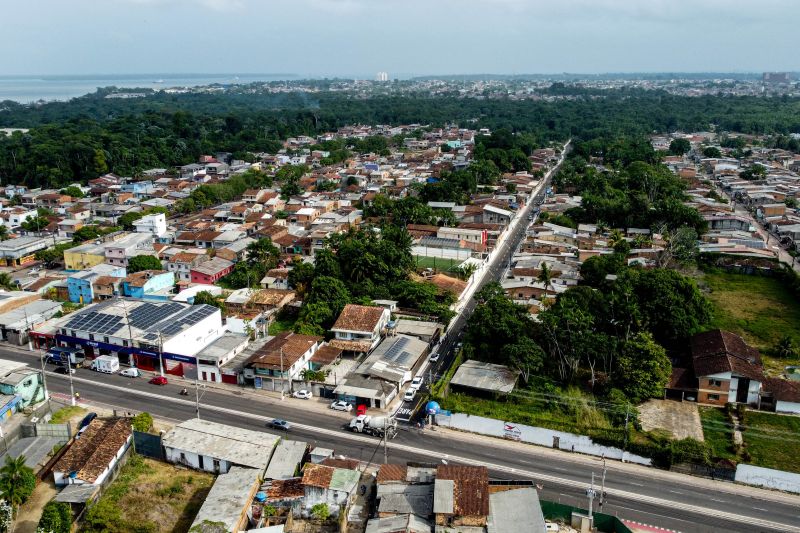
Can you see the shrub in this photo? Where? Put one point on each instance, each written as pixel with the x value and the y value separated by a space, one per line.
pixel 56 518
pixel 142 422
pixel 320 512
pixel 690 450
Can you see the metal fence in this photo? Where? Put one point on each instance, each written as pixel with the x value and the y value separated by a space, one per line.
pixel 148 445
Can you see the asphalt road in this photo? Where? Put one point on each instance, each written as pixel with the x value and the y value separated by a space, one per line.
pixel 638 493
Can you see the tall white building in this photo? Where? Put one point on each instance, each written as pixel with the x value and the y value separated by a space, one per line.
pixel 382 76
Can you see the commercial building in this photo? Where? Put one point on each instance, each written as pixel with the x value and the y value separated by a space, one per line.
pixel 139 331
pixel 19 251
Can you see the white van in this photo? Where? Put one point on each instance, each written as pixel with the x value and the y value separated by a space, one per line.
pixel 130 373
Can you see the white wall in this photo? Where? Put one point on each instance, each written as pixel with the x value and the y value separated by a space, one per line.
pixel 536 435
pixel 767 477
pixel 197 337
pixel 173 455
pixel 787 407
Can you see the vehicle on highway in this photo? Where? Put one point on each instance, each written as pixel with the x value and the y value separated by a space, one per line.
pixel 131 373
pixel 417 382
pixel 409 395
pixel 303 394
pixel 158 380
pixel 279 423
pixel 64 370
pixel 59 355
pixel 340 405
pixel 373 425
pixel 106 364
pixel 434 357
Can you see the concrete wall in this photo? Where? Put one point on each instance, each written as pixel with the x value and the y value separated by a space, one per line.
pixel 787 407
pixel 192 460
pixel 536 435
pixel 769 478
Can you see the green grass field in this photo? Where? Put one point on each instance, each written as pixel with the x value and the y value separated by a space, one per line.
pixel 758 308
pixel 437 263
pixel 718 432
pixel 772 440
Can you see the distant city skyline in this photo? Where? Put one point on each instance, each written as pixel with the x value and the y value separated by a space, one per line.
pixel 358 38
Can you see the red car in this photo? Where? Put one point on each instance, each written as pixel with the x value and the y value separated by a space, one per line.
pixel 158 380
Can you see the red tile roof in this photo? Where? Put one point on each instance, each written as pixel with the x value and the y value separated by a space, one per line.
pixel 360 318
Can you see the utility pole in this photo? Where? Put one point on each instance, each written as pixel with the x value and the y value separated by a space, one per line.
pixel 44 381
pixel 130 334
pixel 591 494
pixel 627 417
pixel 28 329
pixel 386 444
pixel 197 395
pixel 161 354
pixel 603 484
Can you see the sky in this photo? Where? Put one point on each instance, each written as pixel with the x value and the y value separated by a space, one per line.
pixel 352 38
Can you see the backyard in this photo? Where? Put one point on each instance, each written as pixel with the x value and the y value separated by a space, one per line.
pixel 718 432
pixel 761 309
pixel 149 496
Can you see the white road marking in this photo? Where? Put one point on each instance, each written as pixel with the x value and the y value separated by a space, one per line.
pixel 652 500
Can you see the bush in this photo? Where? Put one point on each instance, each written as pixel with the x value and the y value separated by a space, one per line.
pixel 142 422
pixel 320 512
pixel 56 518
pixel 689 450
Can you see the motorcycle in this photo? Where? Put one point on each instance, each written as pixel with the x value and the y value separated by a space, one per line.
pixel 184 392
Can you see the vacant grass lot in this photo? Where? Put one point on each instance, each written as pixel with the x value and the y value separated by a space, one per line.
pixel 718 432
pixel 149 496
pixel 70 413
pixel 758 308
pixel 772 440
pixel 283 322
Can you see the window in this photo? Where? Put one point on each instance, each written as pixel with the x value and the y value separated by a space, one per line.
pixel 216 465
pixel 713 397
pixel 73 333
pixel 105 340
pixel 91 336
pixel 714 383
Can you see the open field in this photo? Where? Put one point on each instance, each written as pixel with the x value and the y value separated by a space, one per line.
pixel 772 440
pixel 149 496
pixel 760 309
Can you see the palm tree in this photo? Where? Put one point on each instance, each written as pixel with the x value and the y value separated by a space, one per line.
pixel 786 347
pixel 6 282
pixel 17 482
pixel 545 276
pixel 615 237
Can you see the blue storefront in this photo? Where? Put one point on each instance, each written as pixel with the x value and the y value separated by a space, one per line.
pixel 145 359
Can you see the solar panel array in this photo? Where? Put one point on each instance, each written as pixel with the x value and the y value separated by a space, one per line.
pixel 397 352
pixel 148 314
pixel 95 322
pixel 192 316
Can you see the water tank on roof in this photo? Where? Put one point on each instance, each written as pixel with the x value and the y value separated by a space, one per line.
pixel 432 408
pixel 261 497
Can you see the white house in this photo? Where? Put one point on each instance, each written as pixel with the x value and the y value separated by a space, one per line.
pixel 155 224
pixel 359 327
pixel 213 447
pixel 334 487
pixel 94 454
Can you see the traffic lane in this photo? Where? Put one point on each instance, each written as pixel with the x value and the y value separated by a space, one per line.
pixel 133 401
pixel 674 492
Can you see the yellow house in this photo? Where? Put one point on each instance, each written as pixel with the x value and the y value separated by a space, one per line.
pixel 84 256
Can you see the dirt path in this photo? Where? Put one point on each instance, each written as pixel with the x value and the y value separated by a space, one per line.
pixel 29 514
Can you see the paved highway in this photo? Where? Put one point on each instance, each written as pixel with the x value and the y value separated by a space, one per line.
pixel 638 493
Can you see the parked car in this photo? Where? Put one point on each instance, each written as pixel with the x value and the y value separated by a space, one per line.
pixel 417 382
pixel 340 405
pixel 303 394
pixel 158 380
pixel 281 424
pixel 409 395
pixel 64 370
pixel 131 373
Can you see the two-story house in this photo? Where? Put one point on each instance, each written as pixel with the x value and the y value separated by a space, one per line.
pixel 80 285
pixel 359 327
pixel 282 358
pixel 150 284
pixel 182 263
pixel 211 271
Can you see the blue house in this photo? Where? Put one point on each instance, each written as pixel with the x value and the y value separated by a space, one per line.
pixel 79 284
pixel 149 285
pixel 137 188
pixel 22 383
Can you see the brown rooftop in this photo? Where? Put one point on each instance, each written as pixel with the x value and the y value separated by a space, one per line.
pixel 358 318
pixel 317 475
pixel 326 354
pixel 90 455
pixel 281 489
pixel 347 464
pixel 470 488
pixel 389 472
pixel 287 345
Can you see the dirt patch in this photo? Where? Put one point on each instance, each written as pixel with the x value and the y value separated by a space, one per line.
pixel 681 419
pixel 29 514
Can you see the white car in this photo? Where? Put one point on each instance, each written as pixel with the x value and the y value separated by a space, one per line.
pixel 131 373
pixel 340 405
pixel 434 357
pixel 416 383
pixel 409 395
pixel 303 394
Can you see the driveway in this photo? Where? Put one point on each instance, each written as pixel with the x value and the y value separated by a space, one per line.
pixel 682 419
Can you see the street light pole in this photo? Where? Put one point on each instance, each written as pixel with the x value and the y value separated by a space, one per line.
pixel 161 354
pixel 197 395
pixel 282 378
pixel 44 379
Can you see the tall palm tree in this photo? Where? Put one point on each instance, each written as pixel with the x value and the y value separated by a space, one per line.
pixel 545 276
pixel 16 482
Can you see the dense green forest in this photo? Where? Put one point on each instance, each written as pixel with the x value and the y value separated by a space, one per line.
pixel 88 136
